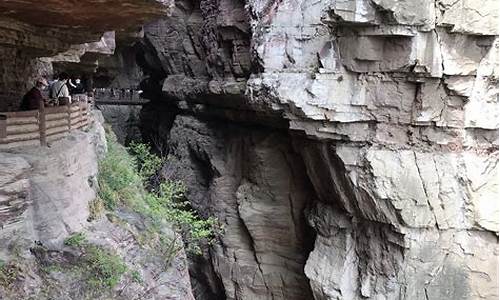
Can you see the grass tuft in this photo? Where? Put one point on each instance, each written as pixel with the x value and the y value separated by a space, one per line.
pixel 96 209
pixel 75 240
pixel 104 269
pixel 136 277
pixel 9 272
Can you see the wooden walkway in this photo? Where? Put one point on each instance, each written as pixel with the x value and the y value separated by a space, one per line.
pixel 36 127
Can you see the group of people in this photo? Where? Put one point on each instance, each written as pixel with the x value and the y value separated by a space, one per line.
pixel 118 93
pixel 60 91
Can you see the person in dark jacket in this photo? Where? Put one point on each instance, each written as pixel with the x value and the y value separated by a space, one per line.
pixel 33 98
pixel 76 87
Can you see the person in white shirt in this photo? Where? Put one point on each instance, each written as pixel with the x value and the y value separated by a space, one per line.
pixel 59 89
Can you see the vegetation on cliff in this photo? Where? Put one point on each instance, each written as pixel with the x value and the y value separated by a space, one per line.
pixel 125 178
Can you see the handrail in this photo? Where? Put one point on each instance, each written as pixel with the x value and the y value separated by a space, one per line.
pixel 38 126
pixel 121 102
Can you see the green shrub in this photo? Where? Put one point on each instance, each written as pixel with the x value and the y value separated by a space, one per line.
pixel 102 269
pixel 99 268
pixel 148 163
pixel 118 178
pixel 136 277
pixel 169 202
pixel 122 176
pixel 75 240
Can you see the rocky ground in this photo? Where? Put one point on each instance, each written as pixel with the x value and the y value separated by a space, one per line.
pixel 49 198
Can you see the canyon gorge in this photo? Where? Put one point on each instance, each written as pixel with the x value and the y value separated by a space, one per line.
pixel 348 149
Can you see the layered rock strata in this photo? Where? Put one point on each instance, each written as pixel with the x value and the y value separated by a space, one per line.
pixel 87 15
pixel 392 108
pixel 33 29
pixel 348 148
pixel 250 179
pixel 46 195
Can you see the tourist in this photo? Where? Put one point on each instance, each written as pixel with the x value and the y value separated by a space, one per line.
pixel 33 98
pixel 60 91
pixel 77 87
pixel 51 84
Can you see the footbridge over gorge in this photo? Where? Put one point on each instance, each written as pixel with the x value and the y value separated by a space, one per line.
pixel 127 97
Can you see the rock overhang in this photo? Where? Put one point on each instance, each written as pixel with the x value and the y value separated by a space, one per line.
pixel 99 15
pixel 33 32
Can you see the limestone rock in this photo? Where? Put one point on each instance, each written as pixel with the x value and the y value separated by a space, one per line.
pixel 46 194
pixel 97 15
pixel 441 264
pixel 391 107
pixel 469 17
pixel 124 120
pixel 15 197
pixel 248 187
pixel 376 177
pixel 58 210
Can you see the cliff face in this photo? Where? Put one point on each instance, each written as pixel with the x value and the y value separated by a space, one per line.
pixel 388 152
pixel 30 30
pixel 256 185
pixel 49 195
pixel 349 149
pixel 55 242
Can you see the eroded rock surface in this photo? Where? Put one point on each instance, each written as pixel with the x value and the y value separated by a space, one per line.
pixel 392 108
pixel 47 194
pixel 52 188
pixel 30 30
pixel 124 120
pixel 94 15
pixel 350 148
pixel 250 180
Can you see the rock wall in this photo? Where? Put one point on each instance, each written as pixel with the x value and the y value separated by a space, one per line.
pixel 392 110
pixel 349 148
pixel 38 180
pixel 30 30
pixel 124 121
pixel 253 181
pixel 46 194
pixel 409 96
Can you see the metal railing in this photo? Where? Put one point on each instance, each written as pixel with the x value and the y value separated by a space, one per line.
pixel 110 94
pixel 37 127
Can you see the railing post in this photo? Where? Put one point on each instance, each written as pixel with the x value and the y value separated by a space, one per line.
pixel 80 112
pixel 42 127
pixel 3 126
pixel 68 106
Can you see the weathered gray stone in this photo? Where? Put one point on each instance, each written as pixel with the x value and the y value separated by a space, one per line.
pixel 392 112
pixel 45 197
pixel 258 192
pixel 124 121
pixel 469 17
